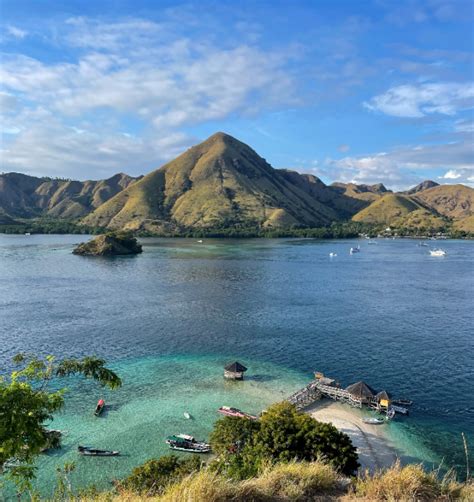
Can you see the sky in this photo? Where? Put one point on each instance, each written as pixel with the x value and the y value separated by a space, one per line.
pixel 361 91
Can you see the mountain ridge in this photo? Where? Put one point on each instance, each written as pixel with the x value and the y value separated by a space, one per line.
pixel 224 183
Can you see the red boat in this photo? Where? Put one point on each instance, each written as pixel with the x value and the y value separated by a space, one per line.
pixel 234 412
pixel 99 408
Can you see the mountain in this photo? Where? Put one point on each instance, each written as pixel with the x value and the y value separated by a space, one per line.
pixel 218 183
pixel 424 185
pixel 222 183
pixel 25 196
pixel 453 201
pixel 432 208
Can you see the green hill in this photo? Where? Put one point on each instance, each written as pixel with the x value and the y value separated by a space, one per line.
pixel 25 196
pixel 219 183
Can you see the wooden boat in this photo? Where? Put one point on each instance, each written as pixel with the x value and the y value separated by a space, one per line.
pixel 94 452
pixel 99 408
pixel 373 421
pixel 403 402
pixel 235 412
pixel 399 409
pixel 185 442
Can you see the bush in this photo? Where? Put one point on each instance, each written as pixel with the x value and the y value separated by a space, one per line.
pixel 281 435
pixel 156 474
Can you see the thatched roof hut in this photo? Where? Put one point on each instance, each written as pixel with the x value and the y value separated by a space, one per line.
pixel 234 371
pixel 362 391
pixel 383 395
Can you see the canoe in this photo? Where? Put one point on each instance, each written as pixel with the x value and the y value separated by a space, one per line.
pixel 94 452
pixel 235 412
pixel 99 408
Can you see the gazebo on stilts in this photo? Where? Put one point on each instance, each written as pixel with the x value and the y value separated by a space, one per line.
pixel 234 371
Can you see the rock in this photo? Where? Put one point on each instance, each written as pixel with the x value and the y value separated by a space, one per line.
pixel 110 244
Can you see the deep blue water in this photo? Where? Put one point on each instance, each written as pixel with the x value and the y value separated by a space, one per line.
pixel 391 315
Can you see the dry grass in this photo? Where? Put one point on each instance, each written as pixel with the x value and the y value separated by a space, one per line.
pixel 311 482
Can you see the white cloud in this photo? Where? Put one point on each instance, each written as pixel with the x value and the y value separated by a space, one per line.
pixel 403 167
pixel 16 32
pixel 72 116
pixel 452 174
pixel 414 101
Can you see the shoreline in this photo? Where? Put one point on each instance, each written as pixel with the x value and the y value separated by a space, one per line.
pixel 375 449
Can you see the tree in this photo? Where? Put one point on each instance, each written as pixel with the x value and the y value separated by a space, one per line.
pixel 26 404
pixel 282 434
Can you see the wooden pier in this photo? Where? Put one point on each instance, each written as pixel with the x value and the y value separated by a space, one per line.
pixel 357 395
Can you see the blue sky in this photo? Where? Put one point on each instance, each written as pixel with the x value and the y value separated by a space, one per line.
pixel 350 90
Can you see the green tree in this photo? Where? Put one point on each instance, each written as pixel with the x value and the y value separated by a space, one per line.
pixel 26 403
pixel 282 434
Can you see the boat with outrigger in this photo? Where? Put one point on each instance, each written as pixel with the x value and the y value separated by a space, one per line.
pixel 235 412
pixel 88 451
pixel 187 443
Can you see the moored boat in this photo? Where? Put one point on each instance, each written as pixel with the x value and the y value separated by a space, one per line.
pixel 403 402
pixel 399 409
pixel 235 412
pixel 355 250
pixel 99 408
pixel 95 452
pixel 373 421
pixel 187 415
pixel 437 252
pixel 185 442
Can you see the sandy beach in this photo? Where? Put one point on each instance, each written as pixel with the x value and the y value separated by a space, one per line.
pixel 372 442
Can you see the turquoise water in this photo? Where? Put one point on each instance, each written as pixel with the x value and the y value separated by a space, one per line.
pixel 169 319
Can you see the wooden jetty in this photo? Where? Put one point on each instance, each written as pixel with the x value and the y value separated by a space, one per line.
pixel 357 395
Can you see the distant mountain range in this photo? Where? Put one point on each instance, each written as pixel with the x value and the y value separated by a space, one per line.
pixel 223 183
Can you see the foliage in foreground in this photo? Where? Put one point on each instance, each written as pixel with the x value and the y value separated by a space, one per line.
pixel 308 482
pixel 282 434
pixel 26 404
pixel 155 475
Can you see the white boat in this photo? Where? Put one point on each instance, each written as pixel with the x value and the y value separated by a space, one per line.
pixel 200 241
pixel 373 421
pixel 372 242
pixel 187 415
pixel 332 255
pixel 27 233
pixel 399 409
pixel 355 250
pixel 437 252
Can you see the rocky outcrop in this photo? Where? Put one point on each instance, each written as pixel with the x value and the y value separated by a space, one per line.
pixel 110 244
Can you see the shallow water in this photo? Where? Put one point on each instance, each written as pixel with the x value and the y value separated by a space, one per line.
pixel 169 319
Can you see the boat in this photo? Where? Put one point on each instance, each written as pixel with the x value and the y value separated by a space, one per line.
pixel 185 442
pixel 372 242
pixel 332 255
pixel 399 409
pixel 200 241
pixel 403 402
pixel 99 408
pixel 235 412
pixel 423 244
pixel 355 250
pixel 373 421
pixel 437 252
pixel 187 415
pixel 390 414
pixel 27 233
pixel 94 452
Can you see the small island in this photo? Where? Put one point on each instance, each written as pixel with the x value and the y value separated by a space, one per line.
pixel 110 244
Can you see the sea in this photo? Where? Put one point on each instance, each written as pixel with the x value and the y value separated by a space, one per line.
pixel 169 320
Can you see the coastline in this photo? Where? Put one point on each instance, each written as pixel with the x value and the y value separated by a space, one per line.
pixel 375 449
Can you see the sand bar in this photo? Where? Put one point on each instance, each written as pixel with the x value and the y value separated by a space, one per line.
pixel 372 442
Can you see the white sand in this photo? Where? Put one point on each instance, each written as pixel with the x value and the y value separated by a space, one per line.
pixel 373 445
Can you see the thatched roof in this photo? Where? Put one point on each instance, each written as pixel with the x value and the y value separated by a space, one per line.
pixel 383 394
pixel 360 390
pixel 235 367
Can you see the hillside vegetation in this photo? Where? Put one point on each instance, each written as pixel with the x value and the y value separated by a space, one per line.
pixel 222 187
